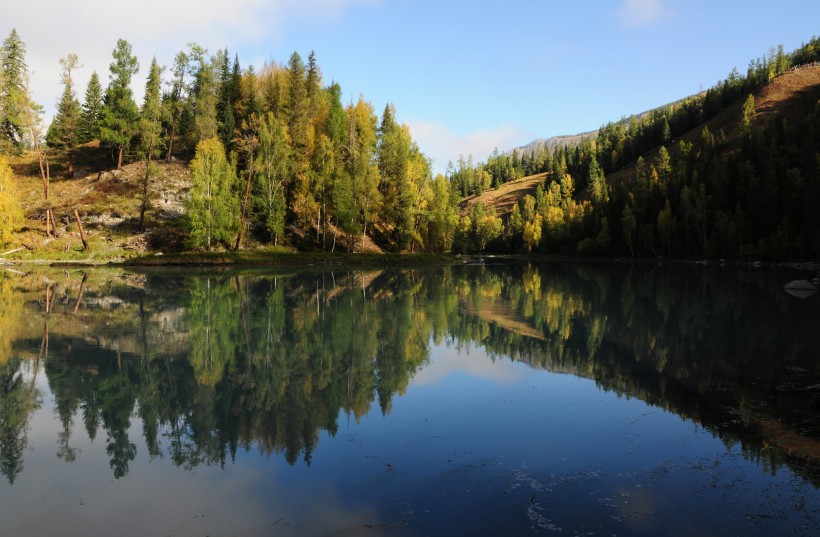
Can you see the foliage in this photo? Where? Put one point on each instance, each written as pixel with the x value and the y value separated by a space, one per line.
pixel 11 214
pixel 272 157
pixel 692 196
pixel 64 132
pixel 119 114
pixel 150 120
pixel 212 209
pixel 14 100
pixel 92 106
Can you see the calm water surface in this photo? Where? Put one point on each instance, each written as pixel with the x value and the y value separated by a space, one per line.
pixel 510 399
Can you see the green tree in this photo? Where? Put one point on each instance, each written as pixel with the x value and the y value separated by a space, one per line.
pixel 205 94
pixel 64 132
pixel 515 223
pixel 119 114
pixel 597 184
pixel 663 165
pixel 150 121
pixel 666 227
pixel 175 102
pixel 359 157
pixel 301 199
pixel 748 112
pixel 150 130
pixel 14 100
pixel 443 219
pixel 212 208
pixel 271 163
pixel 629 227
pixel 92 106
pixel 393 158
pixel 229 95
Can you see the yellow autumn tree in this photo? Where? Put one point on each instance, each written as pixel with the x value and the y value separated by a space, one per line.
pixel 532 232
pixel 11 215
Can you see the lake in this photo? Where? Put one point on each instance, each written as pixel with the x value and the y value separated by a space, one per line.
pixel 495 398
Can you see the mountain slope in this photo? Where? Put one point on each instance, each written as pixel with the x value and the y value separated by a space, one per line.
pixel 790 96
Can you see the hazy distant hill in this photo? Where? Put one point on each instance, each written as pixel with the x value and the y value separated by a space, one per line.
pixel 553 142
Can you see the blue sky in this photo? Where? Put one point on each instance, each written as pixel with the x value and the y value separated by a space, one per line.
pixel 465 76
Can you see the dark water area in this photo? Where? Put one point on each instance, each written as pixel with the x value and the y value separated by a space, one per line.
pixel 512 399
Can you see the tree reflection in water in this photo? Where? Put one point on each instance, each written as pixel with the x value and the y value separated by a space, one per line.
pixel 211 364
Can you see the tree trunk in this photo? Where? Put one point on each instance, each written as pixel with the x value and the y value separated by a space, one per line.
pixel 45 175
pixel 82 233
pixel 119 157
pixel 171 140
pixel 144 205
pixel 244 208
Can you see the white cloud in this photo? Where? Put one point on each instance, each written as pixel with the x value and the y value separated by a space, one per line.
pixel 90 28
pixel 438 142
pixel 472 361
pixel 642 12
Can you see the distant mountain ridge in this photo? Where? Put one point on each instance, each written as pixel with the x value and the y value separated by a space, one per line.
pixel 553 142
pixel 572 140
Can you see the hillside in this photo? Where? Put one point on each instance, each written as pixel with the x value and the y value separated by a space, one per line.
pixel 108 203
pixel 790 97
pixel 503 198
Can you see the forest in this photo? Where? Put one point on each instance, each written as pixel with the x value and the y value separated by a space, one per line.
pixel 274 155
pixel 276 159
pixel 663 184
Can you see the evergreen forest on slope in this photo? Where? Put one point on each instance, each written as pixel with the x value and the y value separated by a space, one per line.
pixel 221 157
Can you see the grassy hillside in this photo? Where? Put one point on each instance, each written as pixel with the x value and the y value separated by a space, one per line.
pixel 790 96
pixel 108 203
pixel 731 172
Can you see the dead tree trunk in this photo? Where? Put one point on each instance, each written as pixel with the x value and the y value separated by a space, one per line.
pixel 82 233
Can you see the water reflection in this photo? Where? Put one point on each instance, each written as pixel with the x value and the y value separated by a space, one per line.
pixel 211 364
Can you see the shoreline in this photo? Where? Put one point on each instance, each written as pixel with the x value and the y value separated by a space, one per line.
pixel 258 259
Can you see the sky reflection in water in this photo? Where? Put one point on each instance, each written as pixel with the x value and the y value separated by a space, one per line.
pixel 454 401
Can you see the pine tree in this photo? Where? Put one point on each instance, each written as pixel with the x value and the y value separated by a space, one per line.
pixel 150 122
pixel 597 184
pixel 90 115
pixel 64 132
pixel 748 112
pixel 150 130
pixel 119 114
pixel 212 209
pixel 174 103
pixel 313 83
pixel 298 110
pixel 629 226
pixel 13 93
pixel 393 158
pixel 303 205
pixel 229 92
pixel 205 94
